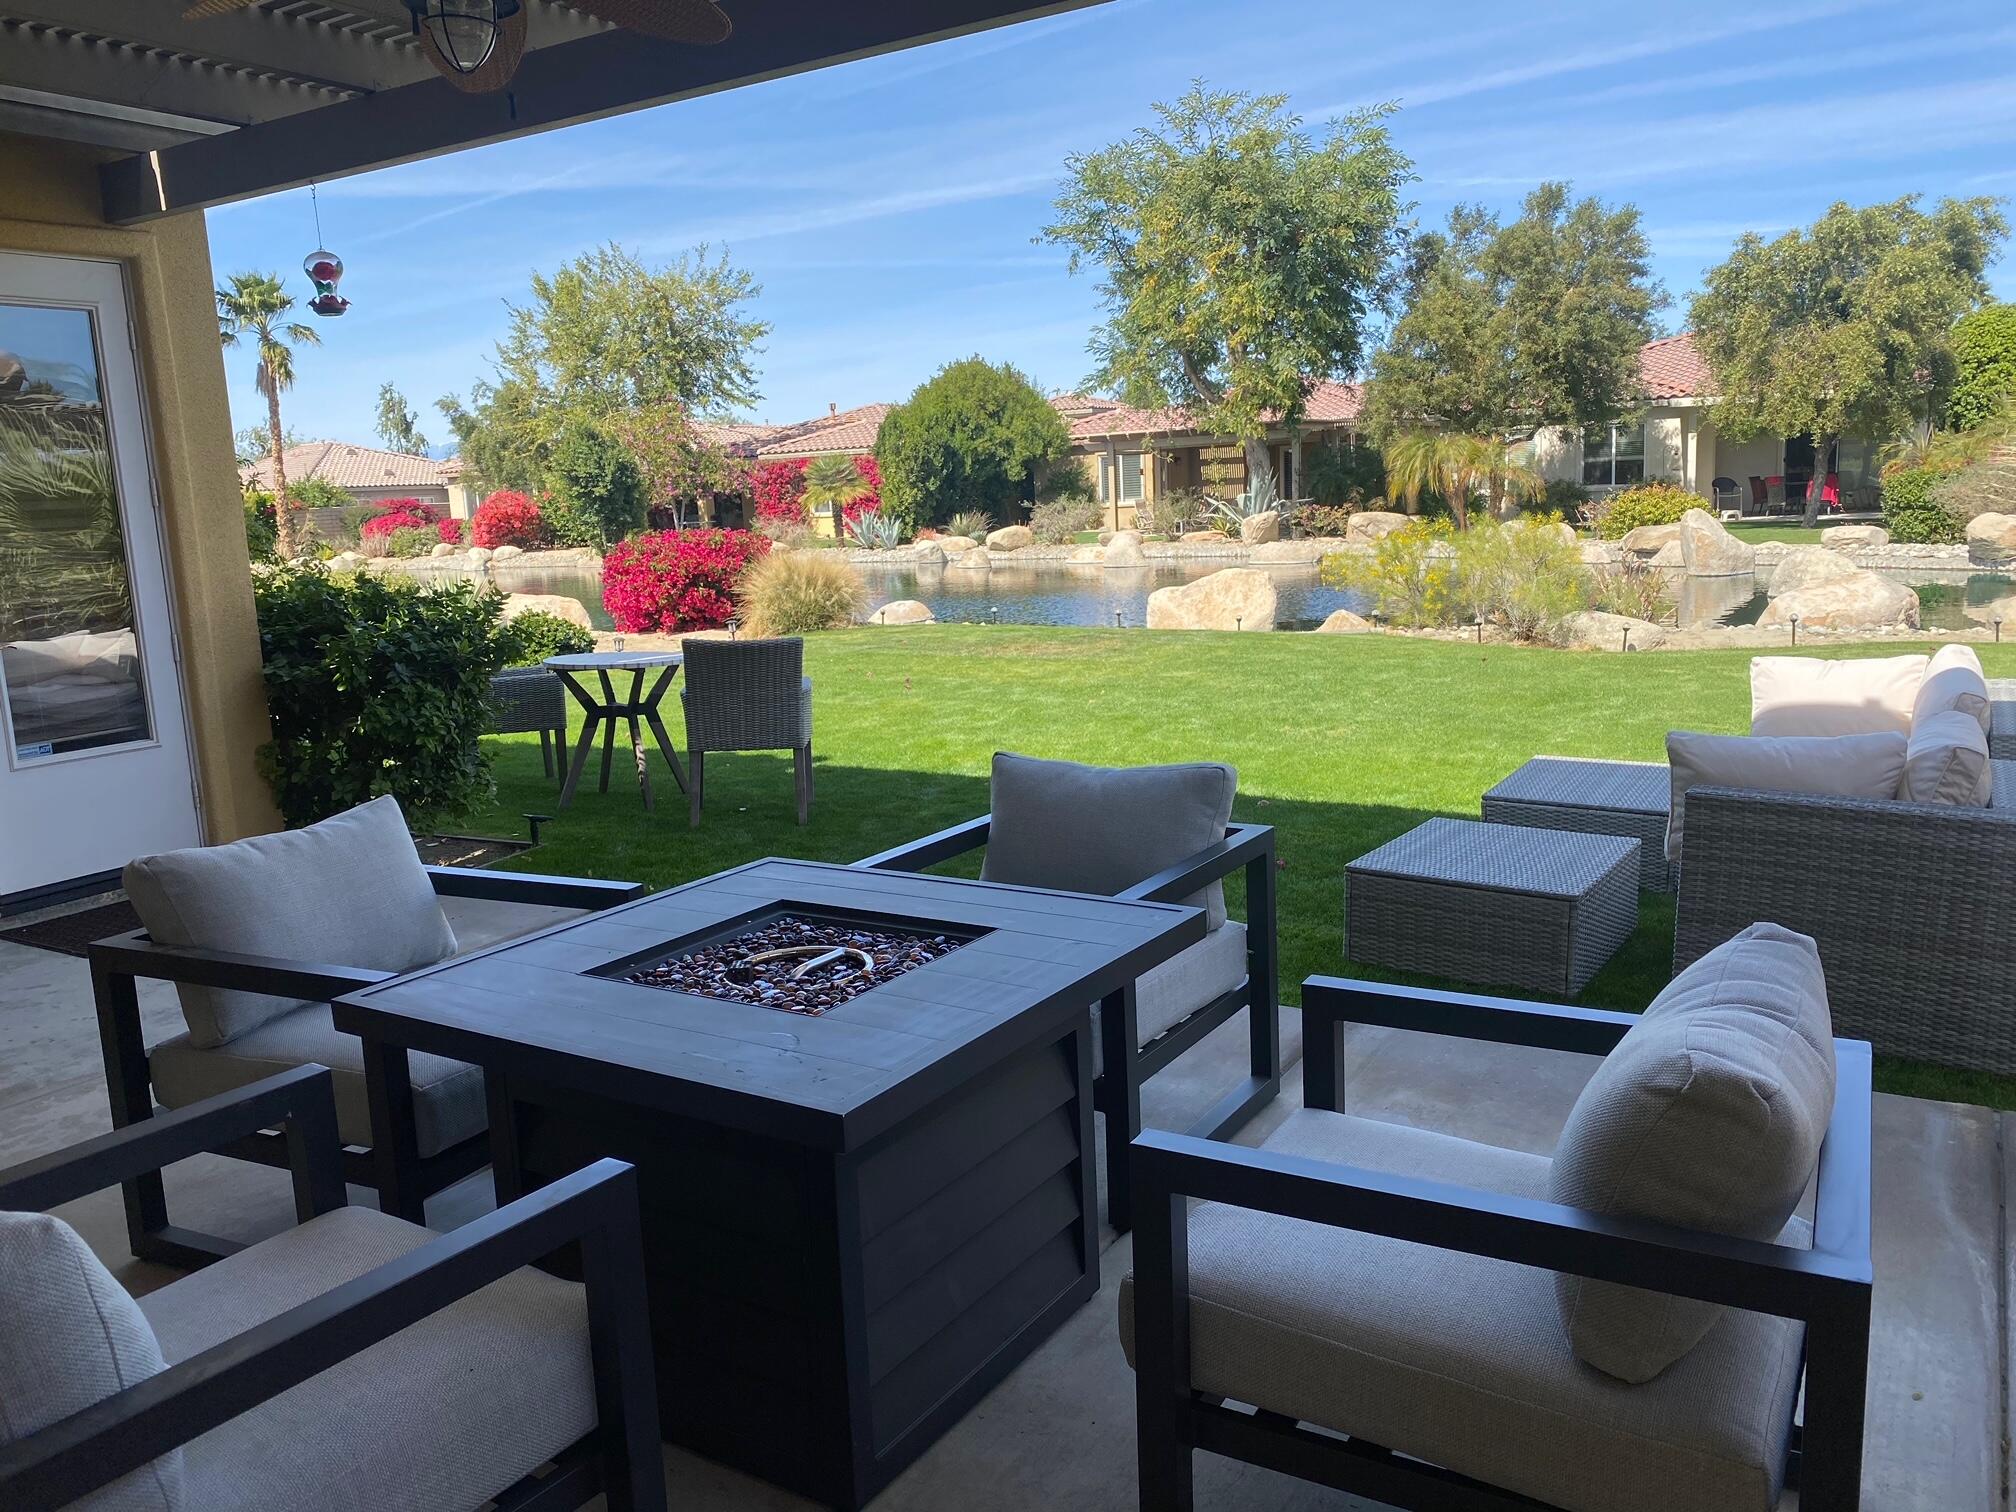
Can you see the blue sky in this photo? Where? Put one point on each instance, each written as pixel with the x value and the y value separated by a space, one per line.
pixel 888 207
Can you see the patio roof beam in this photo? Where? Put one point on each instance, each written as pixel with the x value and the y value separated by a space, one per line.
pixel 78 67
pixel 596 76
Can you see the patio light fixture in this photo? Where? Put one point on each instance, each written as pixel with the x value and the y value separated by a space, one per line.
pixel 464 31
pixel 1795 629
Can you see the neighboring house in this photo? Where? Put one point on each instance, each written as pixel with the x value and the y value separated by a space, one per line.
pixel 1675 440
pixel 368 475
pixel 1130 456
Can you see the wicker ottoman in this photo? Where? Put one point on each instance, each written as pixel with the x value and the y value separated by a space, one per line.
pixel 1629 798
pixel 2002 718
pixel 1493 904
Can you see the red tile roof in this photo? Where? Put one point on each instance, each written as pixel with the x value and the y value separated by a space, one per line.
pixel 1328 404
pixel 850 431
pixel 353 467
pixel 1673 368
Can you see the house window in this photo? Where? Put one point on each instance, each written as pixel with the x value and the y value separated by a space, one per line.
pixel 1130 477
pixel 1613 456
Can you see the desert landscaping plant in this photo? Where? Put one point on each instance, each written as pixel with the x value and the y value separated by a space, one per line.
pixel 1058 521
pixel 1408 574
pixel 252 308
pixel 1631 586
pixel 669 581
pixel 1458 469
pixel 874 531
pixel 973 524
pixel 1912 515
pixel 791 593
pixel 508 518
pixel 1647 504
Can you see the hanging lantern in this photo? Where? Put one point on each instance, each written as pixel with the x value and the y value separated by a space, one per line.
pixel 464 32
pixel 325 270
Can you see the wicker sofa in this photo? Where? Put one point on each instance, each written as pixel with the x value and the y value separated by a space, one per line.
pixel 1914 906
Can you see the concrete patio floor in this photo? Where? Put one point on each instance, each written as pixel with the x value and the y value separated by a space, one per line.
pixel 1057 1435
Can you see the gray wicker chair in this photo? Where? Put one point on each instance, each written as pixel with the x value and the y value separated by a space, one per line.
pixel 747 695
pixel 1914 906
pixel 530 700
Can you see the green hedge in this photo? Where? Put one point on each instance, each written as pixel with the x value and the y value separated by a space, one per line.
pixel 1910 513
pixel 1648 504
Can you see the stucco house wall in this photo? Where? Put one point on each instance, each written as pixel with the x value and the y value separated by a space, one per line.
pixel 49 204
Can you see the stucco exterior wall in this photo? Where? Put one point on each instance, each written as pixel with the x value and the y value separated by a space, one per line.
pixel 49 205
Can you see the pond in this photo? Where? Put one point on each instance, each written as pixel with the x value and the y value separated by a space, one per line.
pixel 1054 595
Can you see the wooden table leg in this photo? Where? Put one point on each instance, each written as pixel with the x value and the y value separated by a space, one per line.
pixel 584 745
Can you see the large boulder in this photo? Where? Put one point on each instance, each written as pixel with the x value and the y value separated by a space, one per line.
pixel 556 604
pixel 1239 598
pixel 1287 551
pixel 1649 540
pixel 1011 538
pixel 1598 553
pixel 1854 537
pixel 1124 550
pixel 1344 622
pixel 927 554
pixel 1087 555
pixel 902 612
pixel 1991 539
pixel 1257 530
pixel 1202 538
pixel 1596 630
pixel 443 549
pixel 1708 550
pixel 1806 567
pixel 346 561
pixel 975 560
pixel 2003 609
pixel 507 553
pixel 952 545
pixel 1861 601
pixel 478 555
pixel 1669 555
pixel 1370 525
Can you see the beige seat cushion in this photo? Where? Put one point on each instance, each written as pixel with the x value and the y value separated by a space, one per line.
pixel 1708 1115
pixel 349 891
pixel 1953 681
pixel 442 1415
pixel 1182 984
pixel 448 1103
pixel 69 1338
pixel 1947 761
pixel 1460 1360
pixel 1812 695
pixel 1851 766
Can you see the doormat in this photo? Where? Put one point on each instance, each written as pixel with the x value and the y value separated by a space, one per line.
pixel 72 933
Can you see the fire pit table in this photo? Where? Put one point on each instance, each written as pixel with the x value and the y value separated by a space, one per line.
pixel 860 1108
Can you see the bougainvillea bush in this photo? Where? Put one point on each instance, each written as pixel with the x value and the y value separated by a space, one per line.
pixel 677 580
pixel 507 518
pixel 396 514
pixel 452 531
pixel 777 489
pixel 871 501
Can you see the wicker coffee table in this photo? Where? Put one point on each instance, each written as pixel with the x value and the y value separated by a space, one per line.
pixel 1493 904
pixel 1630 798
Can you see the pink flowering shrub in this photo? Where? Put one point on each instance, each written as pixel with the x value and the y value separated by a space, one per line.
pixel 451 532
pixel 397 514
pixel 871 501
pixel 508 518
pixel 777 489
pixel 672 581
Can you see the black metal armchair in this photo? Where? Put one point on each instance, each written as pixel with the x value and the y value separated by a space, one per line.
pixel 230 1380
pixel 1600 1461
pixel 1125 1060
pixel 376 1086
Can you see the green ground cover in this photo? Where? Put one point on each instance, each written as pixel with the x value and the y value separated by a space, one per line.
pixel 1342 742
pixel 1756 533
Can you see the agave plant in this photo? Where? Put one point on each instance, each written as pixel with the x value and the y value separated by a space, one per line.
pixel 1262 496
pixel 970 523
pixel 876 531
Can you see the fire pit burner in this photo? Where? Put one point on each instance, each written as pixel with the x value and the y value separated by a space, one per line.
pixel 795 964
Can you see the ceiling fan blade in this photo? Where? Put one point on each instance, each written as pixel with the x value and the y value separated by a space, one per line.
pixel 699 22
pixel 497 69
pixel 203 10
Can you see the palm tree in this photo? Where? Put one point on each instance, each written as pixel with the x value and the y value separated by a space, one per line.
pixel 253 306
pixel 1457 467
pixel 831 481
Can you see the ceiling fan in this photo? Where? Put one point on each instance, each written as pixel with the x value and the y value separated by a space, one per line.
pixel 476 44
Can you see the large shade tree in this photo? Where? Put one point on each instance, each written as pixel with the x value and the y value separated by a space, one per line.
pixel 606 336
pixel 398 427
pixel 971 437
pixel 252 310
pixel 1241 256
pixel 1843 327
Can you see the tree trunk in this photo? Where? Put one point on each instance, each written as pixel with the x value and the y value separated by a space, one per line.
pixel 1823 446
pixel 283 508
pixel 1258 461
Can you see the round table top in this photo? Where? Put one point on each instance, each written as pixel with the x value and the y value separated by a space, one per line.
pixel 613 661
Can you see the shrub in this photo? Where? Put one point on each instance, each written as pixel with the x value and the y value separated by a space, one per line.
pixel 1564 497
pixel 1631 586
pixel 873 531
pixel 672 581
pixel 1338 472
pixel 777 489
pixel 1325 519
pixel 375 686
pixel 533 636
pixel 1059 521
pixel 598 494
pixel 1984 354
pixel 1647 504
pixel 1522 576
pixel 262 536
pixel 970 523
pixel 974 435
pixel 409 541
pixel 1912 515
pixel 1408 574
pixel 508 519
pixel 1173 513
pixel 453 532
pixel 789 593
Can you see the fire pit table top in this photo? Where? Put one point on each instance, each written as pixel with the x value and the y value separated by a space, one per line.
pixel 556 1005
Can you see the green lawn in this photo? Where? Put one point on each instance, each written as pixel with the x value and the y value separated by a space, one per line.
pixel 1756 533
pixel 1342 742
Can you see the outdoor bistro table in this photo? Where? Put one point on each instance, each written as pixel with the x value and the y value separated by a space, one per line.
pixel 631 707
pixel 856 1221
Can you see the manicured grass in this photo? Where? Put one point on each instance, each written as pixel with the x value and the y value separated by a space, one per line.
pixel 1342 742
pixel 1777 530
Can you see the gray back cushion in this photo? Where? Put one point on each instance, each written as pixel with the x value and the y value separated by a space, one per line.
pixel 349 891
pixel 1708 1115
pixel 71 1337
pixel 1102 829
